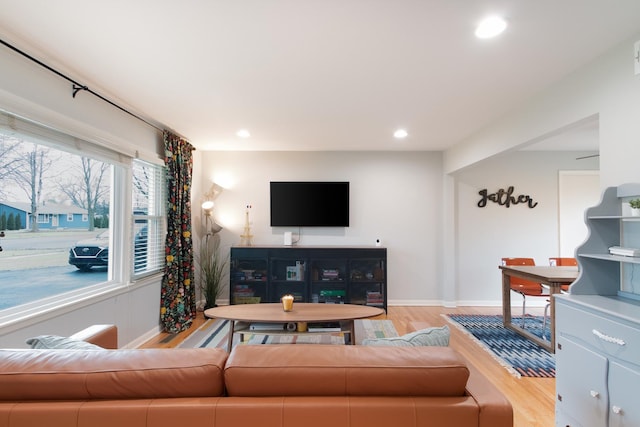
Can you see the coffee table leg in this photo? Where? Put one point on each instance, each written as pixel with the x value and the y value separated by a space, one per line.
pixel 352 334
pixel 232 324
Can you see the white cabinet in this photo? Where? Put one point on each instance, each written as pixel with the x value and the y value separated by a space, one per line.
pixel 598 323
pixel 597 361
pixel 581 390
pixel 623 398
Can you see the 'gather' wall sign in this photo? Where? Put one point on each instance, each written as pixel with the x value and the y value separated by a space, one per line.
pixel 505 198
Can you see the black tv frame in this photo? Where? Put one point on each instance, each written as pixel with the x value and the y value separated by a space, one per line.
pixel 309 203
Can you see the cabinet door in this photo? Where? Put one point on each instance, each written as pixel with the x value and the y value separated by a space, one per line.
pixel 248 280
pixel 624 408
pixel 288 276
pixel 367 278
pixel 328 280
pixel 564 420
pixel 581 384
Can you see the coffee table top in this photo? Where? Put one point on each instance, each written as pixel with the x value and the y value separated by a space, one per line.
pixel 302 312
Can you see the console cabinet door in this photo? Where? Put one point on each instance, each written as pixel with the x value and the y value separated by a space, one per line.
pixel 624 397
pixel 581 385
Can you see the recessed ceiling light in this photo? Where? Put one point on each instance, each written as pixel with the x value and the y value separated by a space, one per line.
pixel 490 27
pixel 243 133
pixel 400 134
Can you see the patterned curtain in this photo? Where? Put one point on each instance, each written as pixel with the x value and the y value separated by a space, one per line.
pixel 178 297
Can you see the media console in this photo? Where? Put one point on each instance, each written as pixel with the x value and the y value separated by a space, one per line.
pixel 333 275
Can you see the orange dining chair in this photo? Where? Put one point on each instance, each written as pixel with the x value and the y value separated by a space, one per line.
pixel 560 261
pixel 563 262
pixel 524 287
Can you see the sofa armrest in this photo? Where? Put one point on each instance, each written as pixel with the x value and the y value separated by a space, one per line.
pixel 495 409
pixel 105 336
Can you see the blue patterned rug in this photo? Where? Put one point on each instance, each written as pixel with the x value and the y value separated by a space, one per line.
pixel 521 356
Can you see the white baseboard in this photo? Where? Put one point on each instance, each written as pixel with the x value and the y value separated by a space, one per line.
pixel 143 338
pixel 515 304
pixel 414 303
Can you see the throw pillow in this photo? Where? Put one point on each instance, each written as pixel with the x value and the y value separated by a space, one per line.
pixel 437 336
pixel 57 342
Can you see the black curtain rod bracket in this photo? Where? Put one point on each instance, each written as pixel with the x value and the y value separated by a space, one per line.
pixel 78 88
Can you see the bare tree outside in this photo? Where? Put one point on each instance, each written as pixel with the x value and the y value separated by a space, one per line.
pixel 140 185
pixel 9 162
pixel 37 174
pixel 28 174
pixel 88 189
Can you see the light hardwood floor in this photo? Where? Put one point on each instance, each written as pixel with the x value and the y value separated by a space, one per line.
pixel 533 399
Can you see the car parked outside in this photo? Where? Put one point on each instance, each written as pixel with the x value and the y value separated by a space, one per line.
pixel 91 252
pixel 95 252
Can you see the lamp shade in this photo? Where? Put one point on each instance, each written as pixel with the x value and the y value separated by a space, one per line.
pixel 207 206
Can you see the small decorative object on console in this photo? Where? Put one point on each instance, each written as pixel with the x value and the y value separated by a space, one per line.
pixel 287 302
pixel 246 237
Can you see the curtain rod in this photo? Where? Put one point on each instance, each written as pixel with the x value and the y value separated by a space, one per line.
pixel 77 87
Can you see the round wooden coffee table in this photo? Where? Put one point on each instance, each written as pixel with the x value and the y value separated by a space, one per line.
pixel 345 314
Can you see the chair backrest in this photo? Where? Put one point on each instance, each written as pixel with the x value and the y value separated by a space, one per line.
pixel 517 282
pixel 563 262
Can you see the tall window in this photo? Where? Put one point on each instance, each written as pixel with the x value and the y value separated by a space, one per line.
pixel 149 217
pixel 48 178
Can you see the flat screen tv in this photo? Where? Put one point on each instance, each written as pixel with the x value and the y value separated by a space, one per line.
pixel 309 204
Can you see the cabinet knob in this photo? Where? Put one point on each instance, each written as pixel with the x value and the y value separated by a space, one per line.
pixel 616 410
pixel 594 394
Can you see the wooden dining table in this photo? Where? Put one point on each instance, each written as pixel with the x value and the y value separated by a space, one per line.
pixel 553 277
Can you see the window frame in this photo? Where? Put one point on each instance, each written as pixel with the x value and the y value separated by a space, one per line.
pixel 119 277
pixel 156 213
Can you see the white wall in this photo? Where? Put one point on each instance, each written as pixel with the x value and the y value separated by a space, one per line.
pixel 135 310
pixel 484 235
pixel 606 88
pixel 577 191
pixel 394 196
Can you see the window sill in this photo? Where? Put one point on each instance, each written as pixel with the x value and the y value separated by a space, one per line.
pixel 17 318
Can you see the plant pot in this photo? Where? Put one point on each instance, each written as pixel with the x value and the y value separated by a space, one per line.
pixel 635 211
pixel 208 306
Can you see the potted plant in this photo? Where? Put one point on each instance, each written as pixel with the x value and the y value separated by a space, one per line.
pixel 212 269
pixel 635 207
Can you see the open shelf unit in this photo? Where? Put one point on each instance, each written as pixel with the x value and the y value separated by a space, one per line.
pixel 598 322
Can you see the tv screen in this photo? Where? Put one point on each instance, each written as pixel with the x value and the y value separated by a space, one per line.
pixel 309 204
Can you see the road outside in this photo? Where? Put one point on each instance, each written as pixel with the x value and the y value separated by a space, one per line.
pixel 35 266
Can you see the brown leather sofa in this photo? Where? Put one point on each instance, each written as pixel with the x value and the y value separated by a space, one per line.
pixel 266 386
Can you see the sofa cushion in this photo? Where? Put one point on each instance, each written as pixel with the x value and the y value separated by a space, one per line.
pixel 110 374
pixel 57 342
pixel 437 336
pixel 344 370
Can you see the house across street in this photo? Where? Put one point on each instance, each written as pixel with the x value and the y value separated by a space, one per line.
pixel 50 215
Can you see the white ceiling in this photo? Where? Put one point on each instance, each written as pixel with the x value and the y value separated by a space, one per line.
pixel 317 75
